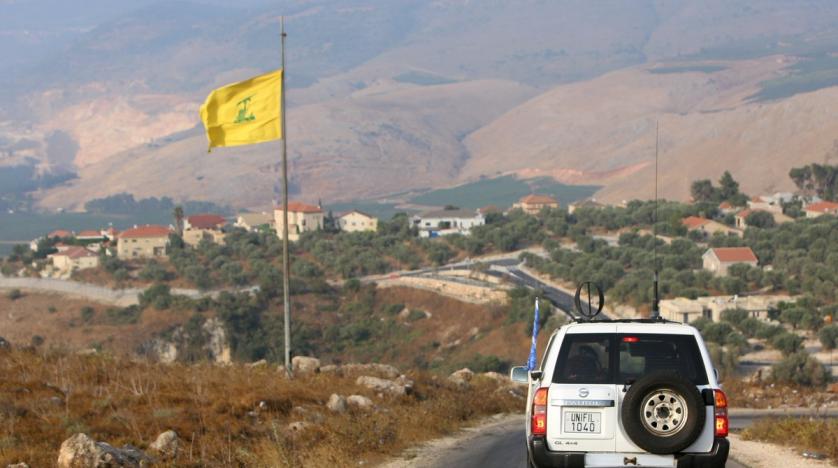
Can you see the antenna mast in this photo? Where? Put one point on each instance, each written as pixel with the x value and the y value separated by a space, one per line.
pixel 656 300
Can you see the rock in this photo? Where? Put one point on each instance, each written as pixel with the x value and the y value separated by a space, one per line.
pixel 461 378
pixel 299 426
pixel 259 363
pixel 385 370
pixel 18 465
pixel 4 345
pixel 217 345
pixel 165 445
pixel 360 402
pixel 308 414
pixel 87 352
pixel 305 365
pixel 336 403
pixel 496 376
pixel 329 368
pixel 382 385
pixel 80 451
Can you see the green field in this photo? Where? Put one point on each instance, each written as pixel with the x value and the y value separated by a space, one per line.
pixel 810 74
pixel 23 227
pixel 687 69
pixel 503 192
pixel 379 210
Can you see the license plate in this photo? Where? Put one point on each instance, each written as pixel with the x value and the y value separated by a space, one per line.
pixel 583 422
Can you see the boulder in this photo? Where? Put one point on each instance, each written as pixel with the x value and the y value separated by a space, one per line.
pixel 4 345
pixel 305 365
pixel 496 376
pixel 308 414
pixel 329 368
pixel 297 427
pixel 80 451
pixel 259 363
pixel 165 445
pixel 461 378
pixel 385 370
pixel 336 403
pixel 358 401
pixel 18 465
pixel 388 387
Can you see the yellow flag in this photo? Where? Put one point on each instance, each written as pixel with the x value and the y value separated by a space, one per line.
pixel 244 113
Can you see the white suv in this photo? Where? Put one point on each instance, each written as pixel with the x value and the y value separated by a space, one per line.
pixel 625 393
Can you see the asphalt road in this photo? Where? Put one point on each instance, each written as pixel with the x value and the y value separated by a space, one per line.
pixel 500 447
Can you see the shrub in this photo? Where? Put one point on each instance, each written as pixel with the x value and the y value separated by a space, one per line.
pixel 14 294
pixel 159 296
pixel 828 337
pixel 725 362
pixel 802 369
pixel 37 340
pixel 415 315
pixel 52 309
pixel 87 314
pixel 717 332
pixel 787 342
pixel 735 316
pixel 489 363
pixel 153 271
pixel 124 316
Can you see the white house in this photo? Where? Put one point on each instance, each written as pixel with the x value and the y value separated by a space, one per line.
pixel 719 259
pixel 356 221
pixel 253 221
pixel 301 218
pixel 444 222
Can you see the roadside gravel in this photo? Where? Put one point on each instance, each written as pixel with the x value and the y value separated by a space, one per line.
pixel 759 454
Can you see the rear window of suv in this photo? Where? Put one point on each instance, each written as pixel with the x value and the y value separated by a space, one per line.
pixel 602 358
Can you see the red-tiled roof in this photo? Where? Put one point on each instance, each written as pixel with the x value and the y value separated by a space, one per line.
pixel 744 213
pixel 151 230
pixel 78 252
pixel 694 222
pixel 89 233
pixel 735 254
pixel 757 199
pixel 298 207
pixel 822 207
pixel 725 205
pixel 60 233
pixel 488 209
pixel 538 200
pixel 206 221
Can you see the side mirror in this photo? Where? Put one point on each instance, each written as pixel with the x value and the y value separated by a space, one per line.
pixel 716 373
pixel 519 374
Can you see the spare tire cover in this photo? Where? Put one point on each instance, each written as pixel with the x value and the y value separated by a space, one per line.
pixel 663 413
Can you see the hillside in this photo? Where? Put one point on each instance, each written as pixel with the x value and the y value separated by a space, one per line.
pixel 382 94
pixel 602 131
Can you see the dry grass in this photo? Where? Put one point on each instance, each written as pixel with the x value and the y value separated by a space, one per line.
pixel 803 434
pixel 45 398
pixel 744 394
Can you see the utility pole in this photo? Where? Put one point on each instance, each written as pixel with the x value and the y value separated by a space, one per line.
pixel 286 271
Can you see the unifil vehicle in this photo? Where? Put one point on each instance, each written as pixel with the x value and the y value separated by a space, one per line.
pixel 625 393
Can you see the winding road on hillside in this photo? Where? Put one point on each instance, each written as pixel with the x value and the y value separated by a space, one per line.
pixel 501 445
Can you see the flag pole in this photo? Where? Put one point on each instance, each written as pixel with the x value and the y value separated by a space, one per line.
pixel 285 264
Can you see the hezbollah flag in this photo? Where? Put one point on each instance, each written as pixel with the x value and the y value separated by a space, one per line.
pixel 244 113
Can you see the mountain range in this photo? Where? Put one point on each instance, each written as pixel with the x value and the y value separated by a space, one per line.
pixel 391 96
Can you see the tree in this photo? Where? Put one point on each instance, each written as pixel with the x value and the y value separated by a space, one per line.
pixel 177 213
pixel 760 219
pixel 828 337
pixel 802 369
pixel 703 191
pixel 787 342
pixel 728 187
pixel 821 179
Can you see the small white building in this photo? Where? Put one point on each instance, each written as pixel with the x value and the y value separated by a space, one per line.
pixel 719 259
pixel 254 221
pixel 301 218
pixel 73 259
pixel 357 221
pixel 686 310
pixel 444 222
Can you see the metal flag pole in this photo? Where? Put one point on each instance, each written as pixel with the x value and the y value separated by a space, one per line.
pixel 285 264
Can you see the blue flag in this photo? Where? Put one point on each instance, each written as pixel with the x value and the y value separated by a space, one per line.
pixel 531 361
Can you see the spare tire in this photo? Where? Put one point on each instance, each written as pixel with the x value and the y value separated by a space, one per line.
pixel 663 413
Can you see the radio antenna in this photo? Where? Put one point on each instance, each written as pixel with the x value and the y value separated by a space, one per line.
pixel 656 297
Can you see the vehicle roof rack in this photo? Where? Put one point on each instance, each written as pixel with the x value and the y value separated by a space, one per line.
pixel 657 319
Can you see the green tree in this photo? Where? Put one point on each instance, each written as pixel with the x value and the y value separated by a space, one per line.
pixel 760 219
pixel 787 343
pixel 802 369
pixel 828 337
pixel 703 191
pixel 177 214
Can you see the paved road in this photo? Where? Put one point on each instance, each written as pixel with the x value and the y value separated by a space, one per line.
pixel 500 447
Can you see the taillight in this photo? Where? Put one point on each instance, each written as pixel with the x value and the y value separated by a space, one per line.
pixel 720 410
pixel 539 412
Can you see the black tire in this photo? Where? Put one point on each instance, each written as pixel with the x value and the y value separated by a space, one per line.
pixel 661 394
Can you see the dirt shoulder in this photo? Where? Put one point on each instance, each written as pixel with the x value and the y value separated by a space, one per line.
pixel 760 454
